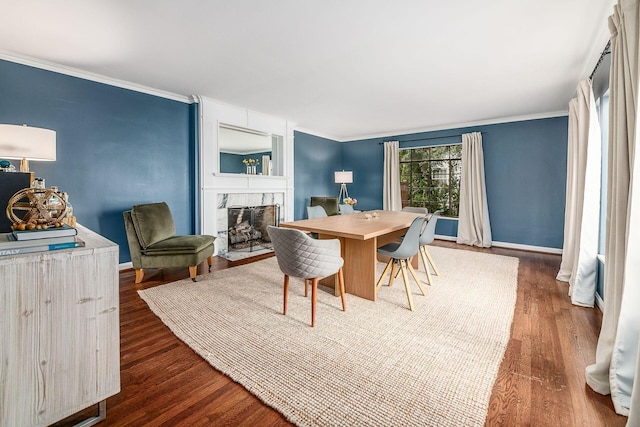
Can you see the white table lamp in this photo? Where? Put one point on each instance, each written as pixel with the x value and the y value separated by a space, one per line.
pixel 343 178
pixel 27 143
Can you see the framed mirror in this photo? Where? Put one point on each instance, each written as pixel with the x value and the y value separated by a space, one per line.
pixel 248 151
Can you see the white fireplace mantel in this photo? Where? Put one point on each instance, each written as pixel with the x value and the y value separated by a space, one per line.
pixel 214 185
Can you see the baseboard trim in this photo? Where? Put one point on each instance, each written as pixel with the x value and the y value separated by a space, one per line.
pixel 529 248
pixel 507 245
pixel 600 303
pixel 125 265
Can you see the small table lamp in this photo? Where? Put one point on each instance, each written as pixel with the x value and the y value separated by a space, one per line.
pixel 343 178
pixel 27 143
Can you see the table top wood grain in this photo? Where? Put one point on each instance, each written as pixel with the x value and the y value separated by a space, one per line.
pixel 356 226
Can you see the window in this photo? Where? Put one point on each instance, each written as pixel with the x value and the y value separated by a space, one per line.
pixel 430 178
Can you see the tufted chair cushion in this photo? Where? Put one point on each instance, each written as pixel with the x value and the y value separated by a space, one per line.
pixel 300 256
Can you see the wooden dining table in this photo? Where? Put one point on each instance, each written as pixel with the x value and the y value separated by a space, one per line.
pixel 360 234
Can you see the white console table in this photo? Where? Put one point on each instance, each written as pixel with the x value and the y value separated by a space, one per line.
pixel 59 332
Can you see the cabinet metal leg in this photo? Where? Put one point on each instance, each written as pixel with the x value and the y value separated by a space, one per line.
pixel 101 416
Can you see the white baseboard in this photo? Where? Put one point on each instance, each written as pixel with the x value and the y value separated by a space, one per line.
pixel 449 238
pixel 506 245
pixel 600 303
pixel 530 248
pixel 125 265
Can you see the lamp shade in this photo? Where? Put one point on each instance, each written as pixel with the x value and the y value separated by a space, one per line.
pixel 343 177
pixel 26 142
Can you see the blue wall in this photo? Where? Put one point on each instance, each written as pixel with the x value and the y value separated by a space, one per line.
pixel 115 147
pixel 315 161
pixel 525 168
pixel 232 163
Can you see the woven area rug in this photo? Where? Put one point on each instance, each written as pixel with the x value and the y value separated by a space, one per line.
pixel 377 364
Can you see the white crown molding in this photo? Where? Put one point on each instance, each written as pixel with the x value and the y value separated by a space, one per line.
pixel 74 72
pixel 460 125
pixel 320 134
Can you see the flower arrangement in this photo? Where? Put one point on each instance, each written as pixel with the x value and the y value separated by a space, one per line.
pixel 350 201
pixel 251 165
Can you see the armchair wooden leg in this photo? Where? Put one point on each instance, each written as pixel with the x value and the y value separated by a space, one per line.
pixel 139 275
pixel 210 262
pixel 314 298
pixel 286 293
pixel 193 270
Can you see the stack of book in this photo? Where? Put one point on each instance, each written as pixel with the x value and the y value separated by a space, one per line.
pixel 23 242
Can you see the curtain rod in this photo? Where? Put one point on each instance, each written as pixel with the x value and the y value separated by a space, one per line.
pixel 605 52
pixel 430 138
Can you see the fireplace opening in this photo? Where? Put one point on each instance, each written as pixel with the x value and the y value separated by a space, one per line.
pixel 247 230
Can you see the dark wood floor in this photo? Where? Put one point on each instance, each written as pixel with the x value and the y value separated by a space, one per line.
pixel 540 383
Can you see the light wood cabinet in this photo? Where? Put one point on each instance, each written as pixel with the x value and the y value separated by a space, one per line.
pixel 59 331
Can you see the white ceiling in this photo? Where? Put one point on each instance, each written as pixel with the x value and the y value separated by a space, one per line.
pixel 342 69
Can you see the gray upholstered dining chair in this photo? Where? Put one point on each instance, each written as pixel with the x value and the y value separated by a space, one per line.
pixel 151 235
pixel 299 255
pixel 346 209
pixel 426 237
pixel 316 212
pixel 400 254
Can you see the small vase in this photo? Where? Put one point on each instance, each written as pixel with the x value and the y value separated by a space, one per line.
pixel 248 170
pixel 253 170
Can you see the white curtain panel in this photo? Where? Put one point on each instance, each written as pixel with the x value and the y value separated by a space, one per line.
pixel 582 214
pixel 391 197
pixel 617 362
pixel 474 228
pixel 569 247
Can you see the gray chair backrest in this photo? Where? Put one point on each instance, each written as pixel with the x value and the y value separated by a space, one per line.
pixel 299 255
pixel 316 212
pixel 415 209
pixel 428 234
pixel 346 209
pixel 411 241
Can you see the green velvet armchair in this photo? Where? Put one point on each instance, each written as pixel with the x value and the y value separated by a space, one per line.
pixel 151 234
pixel 330 204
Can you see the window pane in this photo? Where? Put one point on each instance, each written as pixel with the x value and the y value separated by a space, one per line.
pixel 430 178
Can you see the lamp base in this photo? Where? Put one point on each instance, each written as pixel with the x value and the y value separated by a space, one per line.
pixel 343 192
pixel 24 165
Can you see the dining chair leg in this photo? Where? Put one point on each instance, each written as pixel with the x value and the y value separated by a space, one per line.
pixel 406 283
pixel 286 293
pixel 393 272
pixel 433 264
pixel 306 285
pixel 341 281
pixel 425 263
pixel 382 276
pixel 415 276
pixel 314 297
